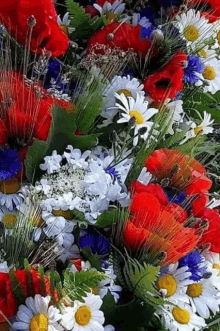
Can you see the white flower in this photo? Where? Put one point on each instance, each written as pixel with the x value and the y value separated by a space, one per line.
pixel 109 328
pixel 126 85
pixel 137 109
pixel 85 316
pixel 207 54
pixel 65 23
pixel 175 111
pixel 76 157
pixel 51 163
pixel 116 8
pixel 210 76
pixel 173 283
pixel 9 218
pixel 180 318
pixel 11 200
pixel 144 177
pixel 194 28
pixel 37 314
pixel 203 297
pixel 201 129
pixel 4 267
pixel 213 265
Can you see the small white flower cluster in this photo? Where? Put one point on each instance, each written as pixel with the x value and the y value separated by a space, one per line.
pixel 88 182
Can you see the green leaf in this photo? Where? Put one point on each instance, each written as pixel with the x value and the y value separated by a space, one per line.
pixel 62 133
pixel 109 217
pixel 94 259
pixel 77 284
pixel 77 13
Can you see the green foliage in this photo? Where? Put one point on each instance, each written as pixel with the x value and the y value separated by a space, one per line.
pixel 94 259
pixel 131 316
pixel 111 216
pixel 76 285
pixel 200 102
pixel 62 133
pixel 83 24
pixel 140 280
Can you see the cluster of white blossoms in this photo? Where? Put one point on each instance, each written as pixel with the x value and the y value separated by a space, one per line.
pixel 88 182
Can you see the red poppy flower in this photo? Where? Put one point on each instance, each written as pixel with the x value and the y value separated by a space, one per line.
pixel 123 36
pixel 210 8
pixel 184 172
pixel 45 33
pixel 210 237
pixel 23 114
pixel 166 82
pixel 158 229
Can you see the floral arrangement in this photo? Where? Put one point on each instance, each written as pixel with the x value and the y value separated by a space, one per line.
pixel 109 165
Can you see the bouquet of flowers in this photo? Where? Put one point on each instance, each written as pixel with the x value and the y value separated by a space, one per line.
pixel 109 165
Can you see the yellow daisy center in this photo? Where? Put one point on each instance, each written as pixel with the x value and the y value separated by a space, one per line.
pixel 127 93
pixel 64 213
pixel 10 186
pixel 9 220
pixel 197 130
pixel 168 283
pixel 182 316
pixel 194 290
pixel 191 33
pixel 95 290
pixel 36 220
pixel 216 266
pixel 209 73
pixel 203 54
pixel 83 315
pixel 110 17
pixel 139 119
pixel 218 37
pixel 64 28
pixel 39 323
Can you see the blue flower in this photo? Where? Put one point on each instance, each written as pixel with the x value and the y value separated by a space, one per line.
pixel 174 196
pixel 194 66
pixel 10 163
pixel 195 263
pixel 99 244
pixel 111 171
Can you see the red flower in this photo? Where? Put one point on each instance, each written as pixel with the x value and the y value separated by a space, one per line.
pixel 23 114
pixel 123 36
pixel 166 82
pixel 9 301
pixel 45 33
pixel 158 229
pixel 210 8
pixel 210 237
pixel 183 171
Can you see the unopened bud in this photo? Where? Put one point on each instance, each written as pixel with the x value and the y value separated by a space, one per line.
pixel 132 121
pixel 113 136
pixel 165 182
pixel 32 21
pixel 142 131
pixel 207 275
pixel 110 36
pixel 158 35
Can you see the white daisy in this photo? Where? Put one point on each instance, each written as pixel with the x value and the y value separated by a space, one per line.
pixel 201 129
pixel 115 8
pixel 203 297
pixel 36 314
pixel 65 23
pixel 213 266
pixel 207 54
pixel 194 28
pixel 144 177
pixel 10 194
pixel 180 318
pixel 85 316
pixel 126 85
pixel 137 109
pixel 210 77
pixel 4 267
pixel 9 218
pixel 173 283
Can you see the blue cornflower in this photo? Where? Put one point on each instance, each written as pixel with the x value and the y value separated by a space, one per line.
pixel 196 265
pixel 194 66
pixel 10 163
pixel 175 196
pixel 98 243
pixel 53 72
pixel 111 171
